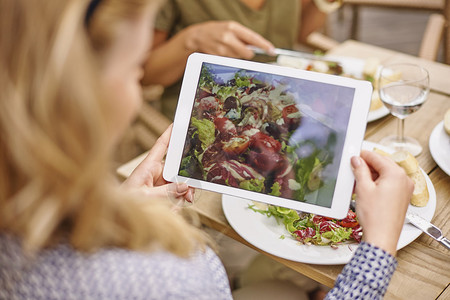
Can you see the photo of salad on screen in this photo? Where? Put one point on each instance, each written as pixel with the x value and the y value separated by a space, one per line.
pixel 267 133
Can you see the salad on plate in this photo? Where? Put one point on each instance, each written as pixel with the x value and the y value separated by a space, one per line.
pixel 311 229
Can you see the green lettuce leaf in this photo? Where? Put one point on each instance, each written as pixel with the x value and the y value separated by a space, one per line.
pixel 255 185
pixel 206 131
pixel 275 190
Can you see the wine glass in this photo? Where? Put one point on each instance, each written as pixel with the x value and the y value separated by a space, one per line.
pixel 403 88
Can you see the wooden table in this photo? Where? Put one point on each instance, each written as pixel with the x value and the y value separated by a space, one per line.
pixel 424 265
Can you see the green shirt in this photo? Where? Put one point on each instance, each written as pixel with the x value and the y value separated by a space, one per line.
pixel 277 21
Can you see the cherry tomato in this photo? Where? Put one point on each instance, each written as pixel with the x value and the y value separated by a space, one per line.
pixel 237 145
pixel 319 219
pixel 351 214
pixel 347 222
pixel 262 142
pixel 291 116
pixel 290 109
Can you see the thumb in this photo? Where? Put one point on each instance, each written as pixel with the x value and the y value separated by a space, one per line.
pixel 177 190
pixel 171 190
pixel 361 170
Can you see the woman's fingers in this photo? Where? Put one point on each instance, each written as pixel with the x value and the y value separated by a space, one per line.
pixel 227 38
pixel 232 46
pixel 174 191
pixel 250 37
pixel 380 164
pixel 361 170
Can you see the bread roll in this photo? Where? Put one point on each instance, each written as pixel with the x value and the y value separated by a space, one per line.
pixel 371 66
pixel 381 152
pixel 407 161
pixel 420 195
pixel 376 101
pixel 447 121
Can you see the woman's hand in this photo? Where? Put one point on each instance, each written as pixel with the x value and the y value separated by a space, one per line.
pixel 147 176
pixel 383 193
pixel 167 60
pixel 225 38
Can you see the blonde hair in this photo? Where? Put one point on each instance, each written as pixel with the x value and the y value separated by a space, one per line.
pixel 55 181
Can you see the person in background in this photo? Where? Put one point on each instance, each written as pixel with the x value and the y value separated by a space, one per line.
pixel 69 87
pixel 225 28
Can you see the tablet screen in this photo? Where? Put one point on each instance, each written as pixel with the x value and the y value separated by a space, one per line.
pixel 267 133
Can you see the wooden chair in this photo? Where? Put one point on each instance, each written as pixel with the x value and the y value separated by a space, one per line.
pixel 429 47
pixel 432 37
pixel 442 7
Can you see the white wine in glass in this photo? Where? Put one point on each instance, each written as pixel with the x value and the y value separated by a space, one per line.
pixel 403 88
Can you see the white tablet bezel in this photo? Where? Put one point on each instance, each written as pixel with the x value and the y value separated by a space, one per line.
pixel 352 145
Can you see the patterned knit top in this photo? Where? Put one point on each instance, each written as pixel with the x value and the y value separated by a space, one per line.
pixel 64 273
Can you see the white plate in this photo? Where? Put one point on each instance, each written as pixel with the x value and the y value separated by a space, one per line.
pixel 265 233
pixel 440 147
pixel 377 114
pixel 351 66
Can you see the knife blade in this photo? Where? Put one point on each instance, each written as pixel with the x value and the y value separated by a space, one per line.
pixel 286 52
pixel 428 228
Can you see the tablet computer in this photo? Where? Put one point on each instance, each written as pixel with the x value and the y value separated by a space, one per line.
pixel 273 134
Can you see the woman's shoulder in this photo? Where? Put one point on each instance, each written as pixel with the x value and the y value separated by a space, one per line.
pixel 113 273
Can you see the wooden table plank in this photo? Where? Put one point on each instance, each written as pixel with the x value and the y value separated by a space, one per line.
pixel 445 295
pixel 422 273
pixel 359 50
pixel 441 182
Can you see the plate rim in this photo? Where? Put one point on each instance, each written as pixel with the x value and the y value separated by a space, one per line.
pixel 438 130
pixel 377 114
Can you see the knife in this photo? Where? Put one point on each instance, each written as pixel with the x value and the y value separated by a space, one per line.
pixel 428 228
pixel 285 52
